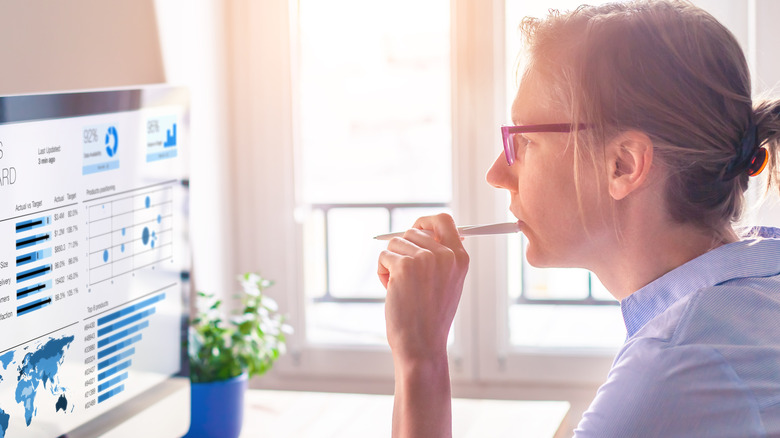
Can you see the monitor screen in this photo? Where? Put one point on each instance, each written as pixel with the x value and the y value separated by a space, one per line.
pixel 94 258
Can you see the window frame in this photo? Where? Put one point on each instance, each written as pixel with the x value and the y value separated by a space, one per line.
pixel 262 40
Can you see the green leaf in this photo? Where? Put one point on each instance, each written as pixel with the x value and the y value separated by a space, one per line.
pixel 250 341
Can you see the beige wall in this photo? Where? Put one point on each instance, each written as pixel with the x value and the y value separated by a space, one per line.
pixel 50 45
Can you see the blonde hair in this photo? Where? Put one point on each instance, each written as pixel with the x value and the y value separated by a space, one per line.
pixel 672 71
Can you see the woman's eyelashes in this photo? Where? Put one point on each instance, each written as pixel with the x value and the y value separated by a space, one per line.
pixel 521 143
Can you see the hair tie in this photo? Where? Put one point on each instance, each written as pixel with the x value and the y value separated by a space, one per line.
pixel 750 158
pixel 758 161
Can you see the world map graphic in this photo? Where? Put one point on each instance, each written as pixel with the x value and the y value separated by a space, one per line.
pixel 34 369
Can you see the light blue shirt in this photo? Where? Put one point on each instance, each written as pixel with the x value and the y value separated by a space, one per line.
pixel 702 357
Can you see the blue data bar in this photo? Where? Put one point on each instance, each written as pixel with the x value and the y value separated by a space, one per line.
pixel 124 333
pixel 125 322
pixel 116 347
pixel 107 395
pixel 32 273
pixel 130 309
pixel 32 240
pixel 170 138
pixel 33 256
pixel 112 360
pixel 32 290
pixel 100 167
pixel 161 155
pixel 32 223
pixel 109 383
pixel 33 306
pixel 121 367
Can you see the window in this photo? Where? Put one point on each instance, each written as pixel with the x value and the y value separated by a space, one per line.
pixel 392 113
pixel 374 118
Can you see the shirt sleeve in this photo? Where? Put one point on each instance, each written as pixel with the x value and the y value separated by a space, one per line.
pixel 657 390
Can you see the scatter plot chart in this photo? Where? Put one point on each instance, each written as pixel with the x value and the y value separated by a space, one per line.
pixel 129 232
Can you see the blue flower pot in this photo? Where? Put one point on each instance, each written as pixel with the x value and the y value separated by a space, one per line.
pixel 217 408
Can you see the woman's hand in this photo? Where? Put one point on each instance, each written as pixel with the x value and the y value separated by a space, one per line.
pixel 423 273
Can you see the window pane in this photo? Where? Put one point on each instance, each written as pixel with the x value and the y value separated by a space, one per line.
pixel 561 284
pixel 346 323
pixel 569 323
pixel 598 290
pixel 374 131
pixel 403 218
pixel 352 252
pixel 566 326
pixel 374 101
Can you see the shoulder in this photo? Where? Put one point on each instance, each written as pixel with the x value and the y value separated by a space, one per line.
pixel 739 311
pixel 655 389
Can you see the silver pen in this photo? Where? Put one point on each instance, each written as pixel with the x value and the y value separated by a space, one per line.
pixel 469 230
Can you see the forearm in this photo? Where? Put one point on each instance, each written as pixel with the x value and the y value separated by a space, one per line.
pixel 422 406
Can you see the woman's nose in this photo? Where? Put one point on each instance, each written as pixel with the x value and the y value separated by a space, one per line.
pixel 500 174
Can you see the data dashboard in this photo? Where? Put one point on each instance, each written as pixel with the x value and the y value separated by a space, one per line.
pixel 93 253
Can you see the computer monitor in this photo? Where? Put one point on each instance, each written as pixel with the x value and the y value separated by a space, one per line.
pixel 94 258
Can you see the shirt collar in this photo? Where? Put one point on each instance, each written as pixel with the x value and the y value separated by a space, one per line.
pixel 754 257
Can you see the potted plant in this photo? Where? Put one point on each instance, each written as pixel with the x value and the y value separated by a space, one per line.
pixel 225 353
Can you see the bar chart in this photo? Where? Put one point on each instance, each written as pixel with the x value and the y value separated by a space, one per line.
pixel 33 246
pixel 47 264
pixel 118 333
pixel 130 232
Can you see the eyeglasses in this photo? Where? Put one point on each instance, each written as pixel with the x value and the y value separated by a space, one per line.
pixel 510 132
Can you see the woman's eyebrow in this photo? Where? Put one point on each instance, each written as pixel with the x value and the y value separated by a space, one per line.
pixel 518 121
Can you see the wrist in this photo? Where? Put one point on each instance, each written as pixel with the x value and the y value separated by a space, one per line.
pixel 430 369
pixel 422 406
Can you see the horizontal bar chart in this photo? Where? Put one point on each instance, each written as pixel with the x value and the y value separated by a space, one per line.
pixel 33 306
pixel 34 289
pixel 125 322
pixel 118 332
pixel 130 309
pixel 107 395
pixel 32 240
pixel 111 371
pixel 32 273
pixel 118 346
pixel 33 256
pixel 114 359
pixel 111 382
pixel 123 334
pixel 33 223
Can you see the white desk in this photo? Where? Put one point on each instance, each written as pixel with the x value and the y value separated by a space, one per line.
pixel 282 414
pixel 292 414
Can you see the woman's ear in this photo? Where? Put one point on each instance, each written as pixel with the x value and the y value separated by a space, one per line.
pixel 629 158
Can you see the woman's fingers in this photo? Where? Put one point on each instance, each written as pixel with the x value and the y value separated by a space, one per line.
pixel 383 272
pixel 391 256
pixel 423 273
pixel 443 228
pixel 446 233
pixel 388 263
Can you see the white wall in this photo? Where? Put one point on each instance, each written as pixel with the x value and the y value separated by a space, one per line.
pixel 194 45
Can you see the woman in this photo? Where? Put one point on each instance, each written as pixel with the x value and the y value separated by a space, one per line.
pixel 643 136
